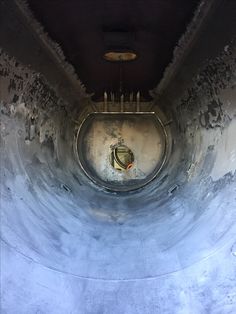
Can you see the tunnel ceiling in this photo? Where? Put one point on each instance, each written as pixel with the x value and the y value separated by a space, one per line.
pixel 86 29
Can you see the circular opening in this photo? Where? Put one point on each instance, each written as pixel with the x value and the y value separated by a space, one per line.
pixel 121 158
pixel 103 137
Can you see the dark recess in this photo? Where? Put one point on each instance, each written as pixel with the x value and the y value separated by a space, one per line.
pixel 85 29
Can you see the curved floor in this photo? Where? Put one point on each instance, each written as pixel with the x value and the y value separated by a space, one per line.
pixel 69 246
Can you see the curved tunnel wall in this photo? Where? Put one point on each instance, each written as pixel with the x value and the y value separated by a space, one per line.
pixel 69 246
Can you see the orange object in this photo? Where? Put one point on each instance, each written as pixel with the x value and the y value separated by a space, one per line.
pixel 129 166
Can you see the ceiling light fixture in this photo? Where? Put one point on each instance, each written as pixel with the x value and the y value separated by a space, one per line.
pixel 120 56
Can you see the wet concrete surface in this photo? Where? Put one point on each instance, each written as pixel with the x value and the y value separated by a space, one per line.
pixel 69 246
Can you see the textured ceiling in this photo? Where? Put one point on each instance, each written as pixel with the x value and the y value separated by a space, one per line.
pixel 85 29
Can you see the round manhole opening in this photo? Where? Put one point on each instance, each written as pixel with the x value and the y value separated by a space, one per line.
pixel 121 157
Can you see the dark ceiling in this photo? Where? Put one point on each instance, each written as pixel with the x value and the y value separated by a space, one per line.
pixel 85 29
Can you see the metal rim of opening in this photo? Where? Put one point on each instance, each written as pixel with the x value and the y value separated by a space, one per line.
pixel 100 182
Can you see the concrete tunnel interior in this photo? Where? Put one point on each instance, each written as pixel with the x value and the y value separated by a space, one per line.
pixel 85 232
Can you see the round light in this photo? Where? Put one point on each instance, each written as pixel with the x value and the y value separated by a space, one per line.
pixel 115 56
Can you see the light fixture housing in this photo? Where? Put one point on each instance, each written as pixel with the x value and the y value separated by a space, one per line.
pixel 120 56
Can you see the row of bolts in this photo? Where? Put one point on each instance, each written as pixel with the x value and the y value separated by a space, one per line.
pixel 112 100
